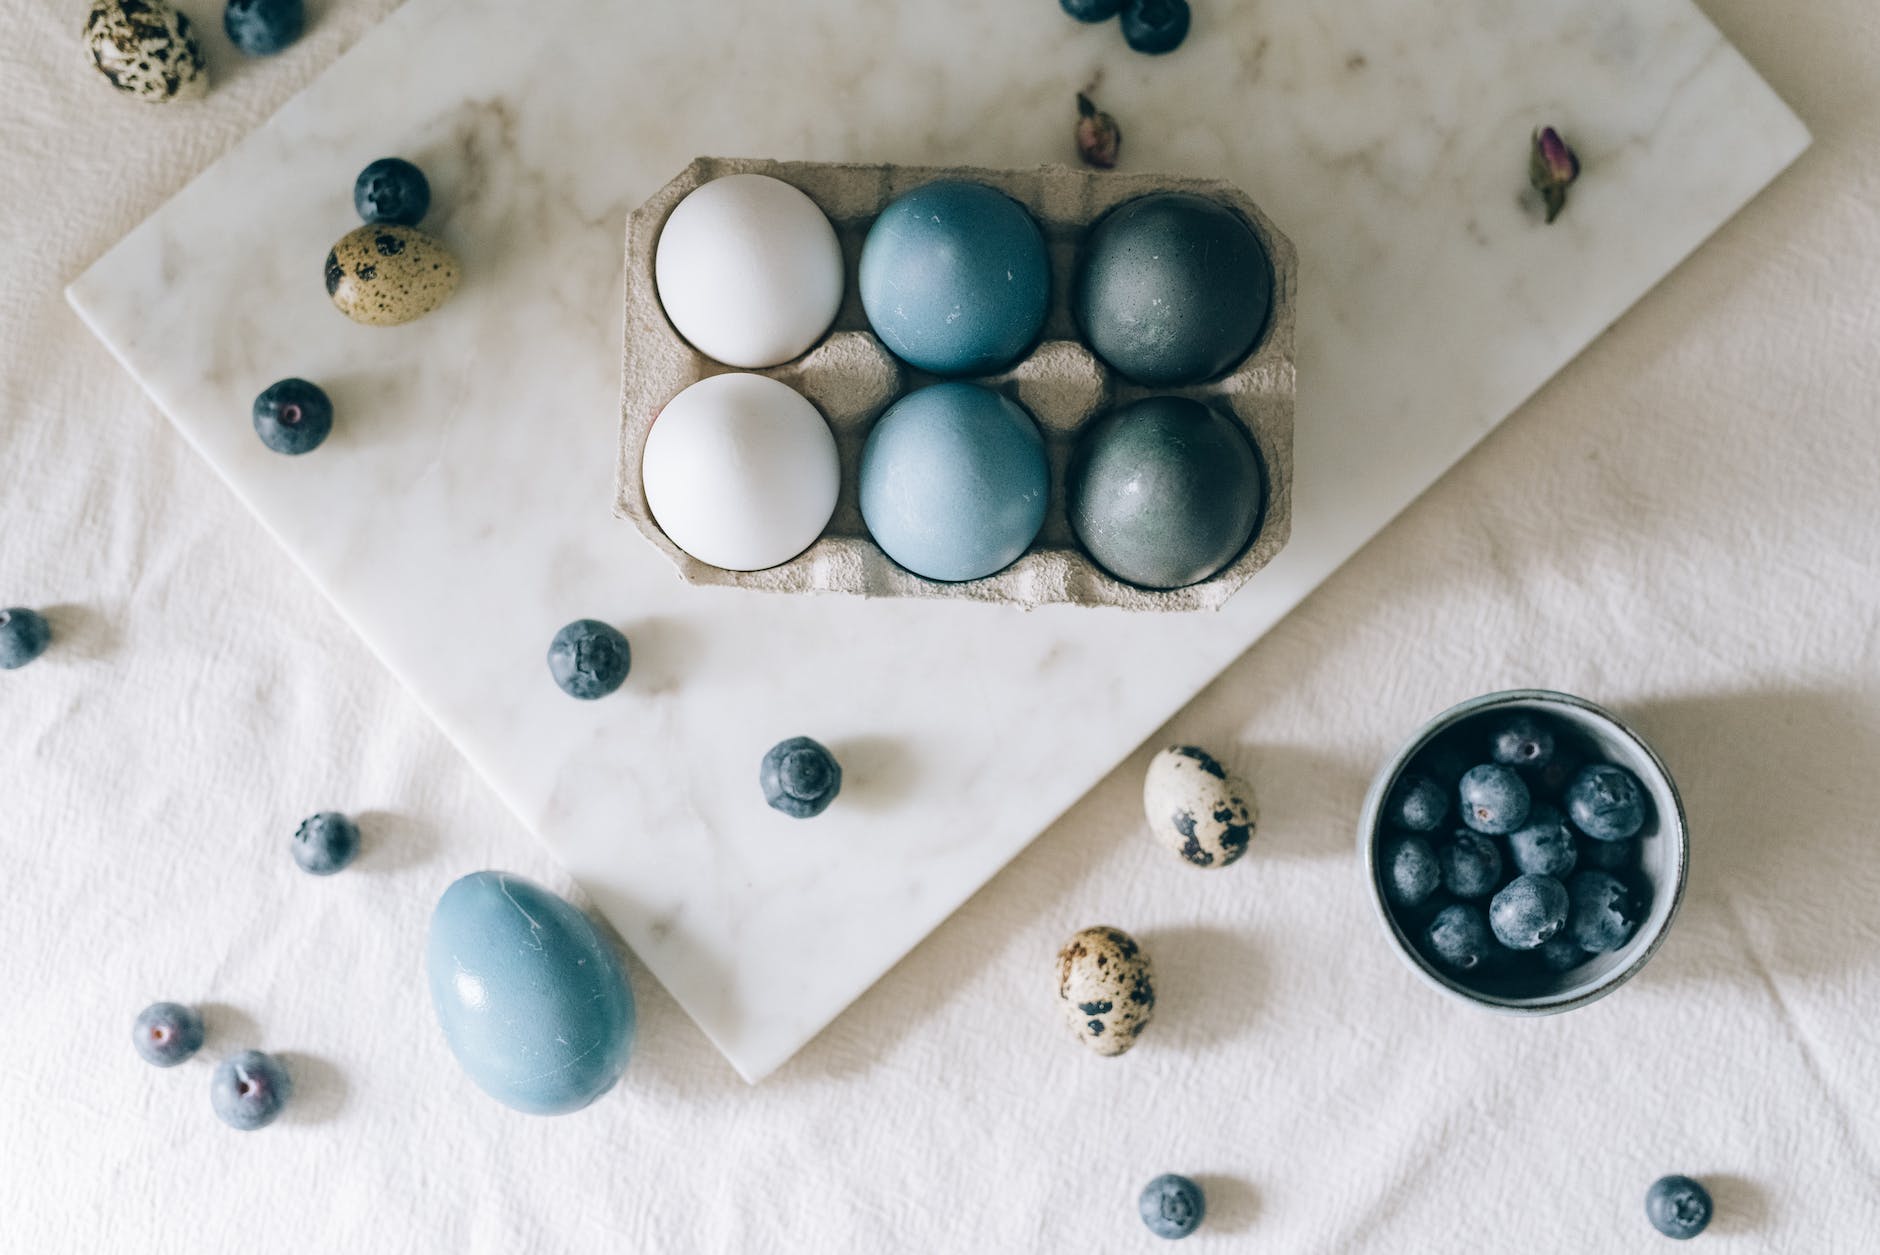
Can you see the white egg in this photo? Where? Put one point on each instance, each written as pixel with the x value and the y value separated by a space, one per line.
pixel 741 472
pixel 749 270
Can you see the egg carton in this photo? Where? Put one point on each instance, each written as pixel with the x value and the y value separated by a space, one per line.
pixel 851 378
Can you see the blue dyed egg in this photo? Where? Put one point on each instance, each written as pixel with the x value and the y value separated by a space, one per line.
pixel 532 1001
pixel 955 279
pixel 954 481
pixel 1173 289
pixel 1164 492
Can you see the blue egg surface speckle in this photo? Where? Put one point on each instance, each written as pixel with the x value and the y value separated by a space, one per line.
pixel 954 481
pixel 532 1001
pixel 955 278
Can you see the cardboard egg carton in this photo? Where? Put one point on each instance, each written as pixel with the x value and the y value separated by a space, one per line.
pixel 852 378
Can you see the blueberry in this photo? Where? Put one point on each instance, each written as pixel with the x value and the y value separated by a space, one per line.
pixel 249 1090
pixel 24 635
pixel 1606 802
pixel 1494 798
pixel 293 416
pixel 166 1033
pixel 1155 25
pixel 1528 911
pixel 1417 803
pixel 391 189
pixel 326 842
pixel 589 659
pixel 1678 1207
pixel 1521 740
pixel 1543 846
pixel 1550 780
pixel 1458 936
pixel 1470 863
pixel 1559 953
pixel 1411 872
pixel 1609 856
pixel 1172 1206
pixel 262 28
pixel 1092 10
pixel 1601 914
pixel 799 777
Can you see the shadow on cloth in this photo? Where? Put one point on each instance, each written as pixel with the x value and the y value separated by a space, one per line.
pixel 1232 1204
pixel 1741 1205
pixel 320 1089
pixel 1209 985
pixel 390 841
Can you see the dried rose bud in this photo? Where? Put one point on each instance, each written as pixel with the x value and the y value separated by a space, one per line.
pixel 1098 136
pixel 1552 167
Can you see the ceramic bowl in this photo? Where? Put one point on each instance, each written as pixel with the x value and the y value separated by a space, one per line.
pixel 1664 852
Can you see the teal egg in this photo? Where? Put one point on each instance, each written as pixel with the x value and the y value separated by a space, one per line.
pixel 532 1001
pixel 955 279
pixel 1172 289
pixel 954 481
pixel 1164 492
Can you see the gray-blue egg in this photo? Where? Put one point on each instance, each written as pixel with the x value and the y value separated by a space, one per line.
pixel 1172 289
pixel 1164 492
pixel 954 481
pixel 532 1000
pixel 955 279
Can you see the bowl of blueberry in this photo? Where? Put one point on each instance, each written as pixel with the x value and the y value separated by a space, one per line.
pixel 1526 851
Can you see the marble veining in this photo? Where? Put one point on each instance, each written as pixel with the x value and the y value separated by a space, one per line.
pixel 460 512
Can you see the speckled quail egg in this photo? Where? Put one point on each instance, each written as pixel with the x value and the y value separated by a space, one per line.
pixel 1104 988
pixel 146 49
pixel 1198 808
pixel 383 274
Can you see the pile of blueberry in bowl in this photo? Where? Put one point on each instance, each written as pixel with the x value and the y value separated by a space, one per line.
pixel 1526 851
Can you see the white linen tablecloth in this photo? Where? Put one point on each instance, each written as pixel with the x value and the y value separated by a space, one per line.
pixel 1684 525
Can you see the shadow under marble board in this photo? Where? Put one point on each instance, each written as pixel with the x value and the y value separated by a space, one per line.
pixel 461 511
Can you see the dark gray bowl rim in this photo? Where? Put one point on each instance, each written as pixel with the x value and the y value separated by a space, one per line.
pixel 1672 825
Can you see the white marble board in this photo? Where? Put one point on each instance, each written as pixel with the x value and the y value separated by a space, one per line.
pixel 460 512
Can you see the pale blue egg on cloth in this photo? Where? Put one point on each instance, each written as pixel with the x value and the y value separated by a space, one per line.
pixel 954 481
pixel 532 1000
pixel 955 278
